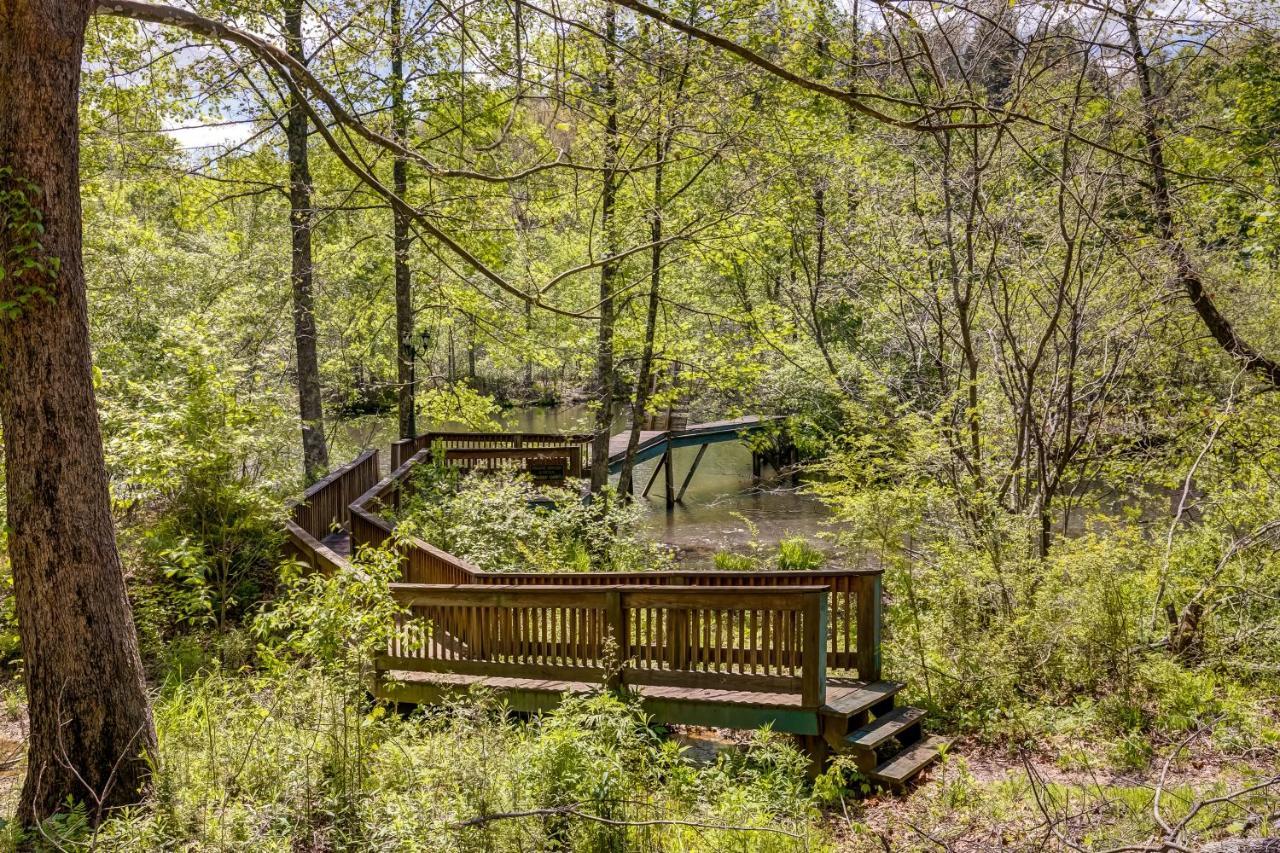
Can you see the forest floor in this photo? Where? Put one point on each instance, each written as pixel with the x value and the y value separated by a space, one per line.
pixel 984 797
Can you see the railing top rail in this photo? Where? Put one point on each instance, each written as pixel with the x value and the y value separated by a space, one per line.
pixel 386 482
pixel 507 452
pixel 570 437
pixel 716 574
pixel 592 596
pixel 674 589
pixel 331 478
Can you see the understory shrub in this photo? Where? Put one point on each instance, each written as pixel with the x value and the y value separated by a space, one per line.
pixel 501 522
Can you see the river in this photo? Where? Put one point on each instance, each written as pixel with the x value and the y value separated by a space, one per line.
pixel 721 509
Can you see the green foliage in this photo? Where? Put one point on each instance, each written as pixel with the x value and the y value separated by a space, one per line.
pixel 331 624
pixel 459 403
pixel 190 452
pixel 26 269
pixel 796 554
pixel 502 523
pixel 793 553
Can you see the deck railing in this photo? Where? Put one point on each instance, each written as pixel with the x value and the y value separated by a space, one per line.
pixel 747 639
pixel 404 448
pixel 324 507
pixel 853 595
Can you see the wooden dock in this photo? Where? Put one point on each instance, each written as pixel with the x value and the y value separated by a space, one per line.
pixel 798 651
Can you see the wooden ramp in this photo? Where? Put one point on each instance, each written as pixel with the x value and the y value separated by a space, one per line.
pixel 655 443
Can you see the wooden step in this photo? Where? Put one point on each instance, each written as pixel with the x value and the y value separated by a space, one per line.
pixel 901 768
pixel 890 725
pixel 846 702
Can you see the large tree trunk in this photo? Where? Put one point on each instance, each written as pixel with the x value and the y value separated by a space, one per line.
pixel 315 452
pixel 405 352
pixel 605 378
pixel 91 731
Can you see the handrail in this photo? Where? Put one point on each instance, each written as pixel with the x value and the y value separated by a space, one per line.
pixel 748 639
pixel 324 506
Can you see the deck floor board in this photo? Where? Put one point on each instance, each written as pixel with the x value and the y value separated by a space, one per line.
pixel 839 691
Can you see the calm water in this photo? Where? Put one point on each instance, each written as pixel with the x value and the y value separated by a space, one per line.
pixel 721 509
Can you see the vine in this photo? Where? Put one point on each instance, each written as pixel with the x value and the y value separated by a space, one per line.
pixel 25 262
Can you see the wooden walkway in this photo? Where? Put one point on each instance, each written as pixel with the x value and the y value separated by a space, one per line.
pixel 798 651
pixel 655 443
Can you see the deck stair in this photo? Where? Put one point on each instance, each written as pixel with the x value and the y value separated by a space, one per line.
pixel 885 740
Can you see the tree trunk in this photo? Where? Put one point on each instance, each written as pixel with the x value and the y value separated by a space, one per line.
pixel 91 732
pixel 1185 272
pixel 405 352
pixel 315 453
pixel 643 376
pixel 605 379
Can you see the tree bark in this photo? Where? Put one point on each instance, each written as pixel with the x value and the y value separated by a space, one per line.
pixel 315 452
pixel 91 736
pixel 605 379
pixel 405 352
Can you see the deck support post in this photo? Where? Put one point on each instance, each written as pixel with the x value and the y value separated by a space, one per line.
pixel 757 467
pixel 818 751
pixel 702 448
pixel 669 478
pixel 616 635
pixel 869 616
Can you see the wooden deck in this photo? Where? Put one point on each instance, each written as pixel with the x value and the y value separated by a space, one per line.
pixel 798 651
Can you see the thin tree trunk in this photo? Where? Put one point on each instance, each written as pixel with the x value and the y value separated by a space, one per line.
pixel 605 379
pixel 91 736
pixel 400 238
pixel 1185 271
pixel 315 452
pixel 819 277
pixel 643 377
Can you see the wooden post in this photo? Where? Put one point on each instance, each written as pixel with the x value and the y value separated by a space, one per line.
pixel 813 661
pixel 669 478
pixel 615 628
pixel 869 628
pixel 702 448
pixel 756 468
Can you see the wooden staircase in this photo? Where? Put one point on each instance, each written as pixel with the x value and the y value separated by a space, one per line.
pixel 885 740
